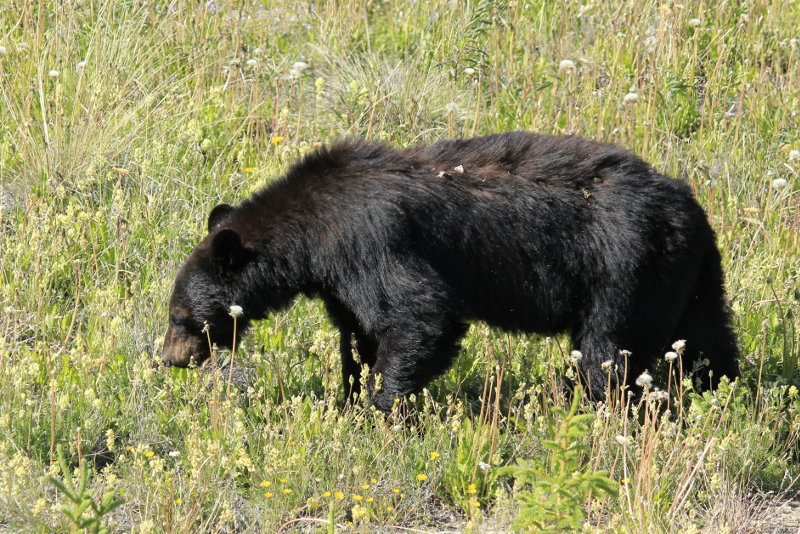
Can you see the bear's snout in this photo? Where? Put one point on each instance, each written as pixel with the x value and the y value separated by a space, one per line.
pixel 180 349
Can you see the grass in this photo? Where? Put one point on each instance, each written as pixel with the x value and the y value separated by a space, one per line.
pixel 123 123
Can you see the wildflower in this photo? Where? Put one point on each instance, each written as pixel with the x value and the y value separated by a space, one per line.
pixel 395 490
pixel 81 64
pixel 236 311
pixel 373 481
pixel 339 495
pixel 671 356
pixel 434 455
pixel 694 23
pixel 149 454
pixel 22 45
pixel 174 454
pixel 793 154
pixel 484 466
pixel 300 66
pixel 268 494
pixel 469 71
pixel 276 139
pixel 422 476
pixel 575 356
pixel 779 183
pixel 370 499
pixel 358 497
pixel 282 480
pixel 792 392
pixel 659 396
pixel 287 490
pixel 2 50
pixel 389 508
pixel 566 64
pixel 53 74
pixel 266 484
pixel 248 170
pixel 178 501
pixel 606 365
pixel 626 480
pixel 679 345
pixel 475 504
pixel 451 107
pixel 472 489
pixel 645 380
pixel 252 63
pixel 364 486
pixel 326 494
pixel 630 98
pixel 621 440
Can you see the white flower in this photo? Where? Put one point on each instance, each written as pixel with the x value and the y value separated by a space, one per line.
pixel 484 466
pixel 671 356
pixel 575 356
pixel 645 380
pixel 566 64
pixel 300 66
pixel 779 183
pixel 54 74
pixel 236 311
pixel 451 107
pixel 2 50
pixel 621 440
pixel 469 71
pixel 679 345
pixel 694 23
pixel 794 154
pixel 630 98
pixel 252 63
pixel 174 454
pixel 81 65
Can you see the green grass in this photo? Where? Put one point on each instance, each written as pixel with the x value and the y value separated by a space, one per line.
pixel 109 168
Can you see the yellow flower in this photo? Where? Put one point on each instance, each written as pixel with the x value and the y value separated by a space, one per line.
pixel 373 481
pixel 396 490
pixel 149 454
pixel 339 495
pixel 248 170
pixel 389 508
pixel 434 455
pixel 266 484
pixel 277 139
pixel 178 501
pixel 365 486
pixel 370 499
pixel 268 494
pixel 283 480
pixel 422 476
pixel 471 489
pixel 123 172
pixel 475 504
pixel 287 490
pixel 358 497
pixel 326 494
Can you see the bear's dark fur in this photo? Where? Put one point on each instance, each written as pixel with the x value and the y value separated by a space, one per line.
pixel 528 233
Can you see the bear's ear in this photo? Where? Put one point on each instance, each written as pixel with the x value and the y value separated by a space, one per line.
pixel 217 215
pixel 227 249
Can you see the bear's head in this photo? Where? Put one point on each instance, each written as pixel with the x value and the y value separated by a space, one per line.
pixel 207 285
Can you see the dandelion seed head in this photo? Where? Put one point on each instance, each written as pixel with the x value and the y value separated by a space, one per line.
pixel 236 311
pixel 575 356
pixel 630 98
pixel 469 71
pixel 451 107
pixel 53 74
pixel 621 440
pixel 3 50
pixel 566 64
pixel 644 380
pixel 252 63
pixel 484 466
pixel 300 66
pixel 694 23
pixel 679 345
pixel 81 64
pixel 794 154
pixel 606 365
pixel 671 356
pixel 779 183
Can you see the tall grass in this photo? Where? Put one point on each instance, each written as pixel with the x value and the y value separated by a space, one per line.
pixel 123 123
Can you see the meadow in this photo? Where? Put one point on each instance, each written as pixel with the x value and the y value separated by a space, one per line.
pixel 122 123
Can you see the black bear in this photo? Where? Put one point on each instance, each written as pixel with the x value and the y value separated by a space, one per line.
pixel 529 233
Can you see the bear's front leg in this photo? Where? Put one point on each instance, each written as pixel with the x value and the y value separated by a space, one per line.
pixel 410 355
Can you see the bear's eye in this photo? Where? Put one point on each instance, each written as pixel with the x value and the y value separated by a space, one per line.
pixel 178 319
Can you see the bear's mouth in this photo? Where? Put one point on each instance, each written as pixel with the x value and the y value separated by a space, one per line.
pixel 181 349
